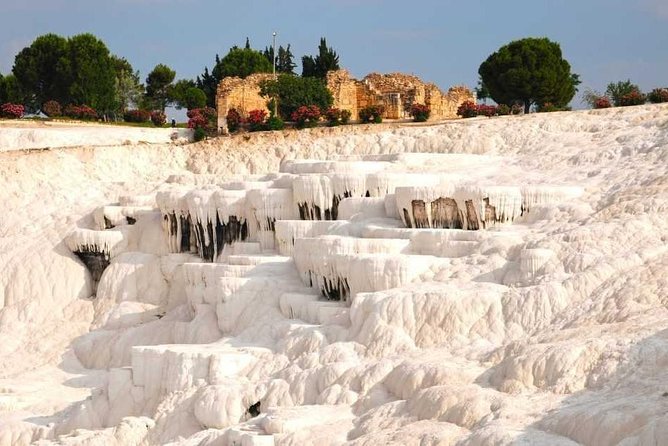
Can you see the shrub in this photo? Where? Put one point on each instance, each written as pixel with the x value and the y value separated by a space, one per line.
pixel 137 116
pixel 617 90
pixel 373 114
pixel 275 123
pixel 420 112
pixel 633 98
pixel 502 110
pixel 345 116
pixel 203 121
pixel 468 109
pixel 333 116
pixel 158 118
pixel 602 102
pixel 52 109
pixel 82 112
pixel 256 120
pixel 306 116
pixel 233 119
pixel 517 109
pixel 486 110
pixel 199 134
pixel 658 95
pixel 294 91
pixel 12 111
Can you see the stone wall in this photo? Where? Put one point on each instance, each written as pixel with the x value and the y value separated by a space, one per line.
pixel 242 94
pixel 396 92
pixel 344 91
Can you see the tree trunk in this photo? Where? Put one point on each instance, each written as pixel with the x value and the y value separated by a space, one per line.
pixel 527 106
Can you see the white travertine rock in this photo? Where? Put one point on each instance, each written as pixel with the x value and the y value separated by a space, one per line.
pixel 525 304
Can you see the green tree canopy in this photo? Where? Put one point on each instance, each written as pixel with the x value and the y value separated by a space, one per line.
pixel 10 90
pixel 208 83
pixel 128 89
pixel 185 94
pixel 293 92
pixel 241 63
pixel 325 61
pixel 92 73
pixel 617 90
pixel 531 70
pixel 42 70
pixel 284 59
pixel 158 84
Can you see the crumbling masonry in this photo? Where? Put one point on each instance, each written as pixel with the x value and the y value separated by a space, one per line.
pixel 395 92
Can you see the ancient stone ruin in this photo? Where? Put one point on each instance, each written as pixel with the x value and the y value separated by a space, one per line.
pixel 395 92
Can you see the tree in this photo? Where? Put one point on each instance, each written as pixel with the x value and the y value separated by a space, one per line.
pixel 241 63
pixel 158 84
pixel 481 91
pixel 284 59
pixel 325 61
pixel 10 90
pixel 531 70
pixel 293 92
pixel 209 85
pixel 42 70
pixel 92 74
pixel 617 90
pixel 128 89
pixel 185 94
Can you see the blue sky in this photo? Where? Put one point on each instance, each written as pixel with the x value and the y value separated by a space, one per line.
pixel 440 41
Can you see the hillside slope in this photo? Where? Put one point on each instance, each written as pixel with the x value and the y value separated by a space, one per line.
pixel 546 325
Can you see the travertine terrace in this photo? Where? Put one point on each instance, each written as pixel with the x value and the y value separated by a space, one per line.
pixel 479 282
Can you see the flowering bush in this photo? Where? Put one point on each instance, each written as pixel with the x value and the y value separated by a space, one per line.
pixel 658 95
pixel 602 102
pixel 372 114
pixel 12 111
pixel 486 110
pixel 137 116
pixel 468 109
pixel 306 116
pixel 203 121
pixel 158 118
pixel 502 110
pixel 256 120
pixel 420 112
pixel 633 98
pixel 52 109
pixel 335 116
pixel 233 119
pixel 82 112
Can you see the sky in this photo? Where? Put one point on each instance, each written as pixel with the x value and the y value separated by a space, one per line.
pixel 440 41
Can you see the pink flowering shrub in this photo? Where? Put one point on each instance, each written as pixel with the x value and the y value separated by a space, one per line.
pixel 137 116
pixel 12 111
pixel 203 121
pixel 373 114
pixel 256 120
pixel 602 102
pixel 635 97
pixel 306 116
pixel 420 112
pixel 234 120
pixel 467 109
pixel 52 109
pixel 658 95
pixel 158 118
pixel 83 112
